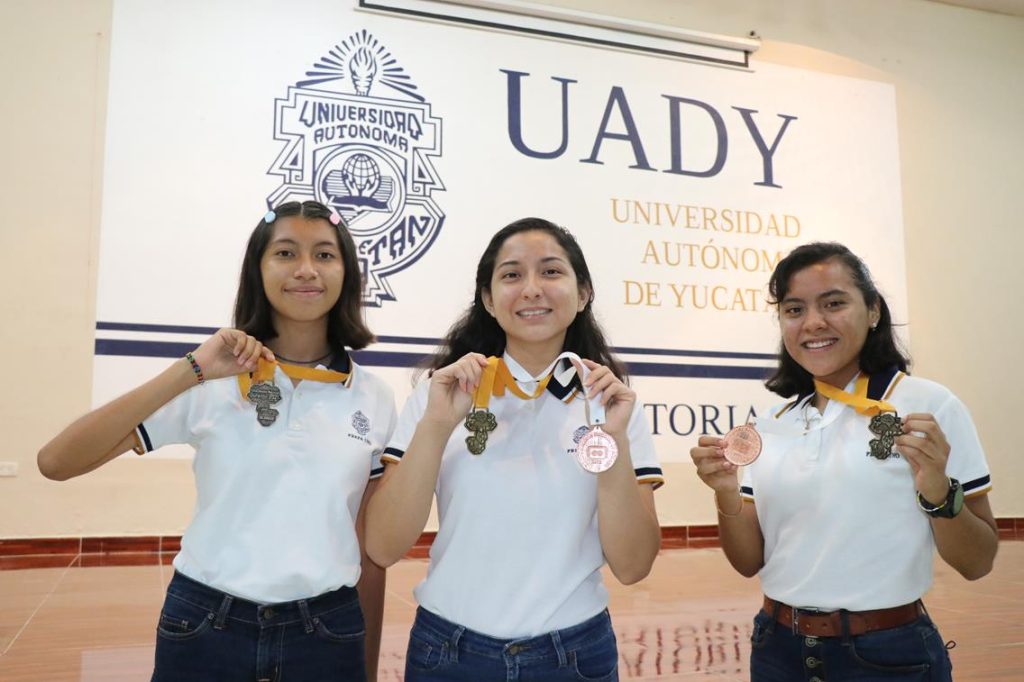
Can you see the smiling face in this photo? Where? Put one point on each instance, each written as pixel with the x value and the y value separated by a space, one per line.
pixel 302 269
pixel 825 321
pixel 534 294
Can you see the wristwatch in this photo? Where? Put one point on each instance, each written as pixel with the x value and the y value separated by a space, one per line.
pixel 950 506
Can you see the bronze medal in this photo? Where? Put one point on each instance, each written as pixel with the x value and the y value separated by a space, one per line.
pixel 887 426
pixel 596 451
pixel 479 423
pixel 742 445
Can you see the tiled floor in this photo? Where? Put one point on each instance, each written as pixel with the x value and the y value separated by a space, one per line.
pixel 689 621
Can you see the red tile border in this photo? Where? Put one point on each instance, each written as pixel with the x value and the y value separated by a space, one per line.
pixel 154 549
pixel 673 537
pixel 701 532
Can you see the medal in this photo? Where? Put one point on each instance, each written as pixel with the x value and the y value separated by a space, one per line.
pixel 480 421
pixel 496 379
pixel 596 450
pixel 741 445
pixel 885 423
pixel 259 389
pixel 887 426
pixel 263 395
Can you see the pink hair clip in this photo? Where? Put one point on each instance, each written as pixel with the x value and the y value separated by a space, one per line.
pixel 335 218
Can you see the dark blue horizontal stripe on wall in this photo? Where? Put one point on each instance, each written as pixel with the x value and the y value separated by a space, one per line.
pixel 375 358
pixel 696 353
pixel 167 328
pixel 419 341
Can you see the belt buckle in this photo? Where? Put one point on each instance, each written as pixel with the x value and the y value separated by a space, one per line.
pixel 796 617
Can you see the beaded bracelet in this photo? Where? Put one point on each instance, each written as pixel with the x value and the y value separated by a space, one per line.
pixel 195 367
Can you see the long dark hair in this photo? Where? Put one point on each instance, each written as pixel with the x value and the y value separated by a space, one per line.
pixel 478 332
pixel 346 325
pixel 881 350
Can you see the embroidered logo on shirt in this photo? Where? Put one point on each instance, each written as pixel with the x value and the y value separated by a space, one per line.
pixel 360 423
pixel 576 435
pixel 579 433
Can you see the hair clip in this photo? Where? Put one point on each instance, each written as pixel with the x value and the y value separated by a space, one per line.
pixel 269 217
pixel 335 218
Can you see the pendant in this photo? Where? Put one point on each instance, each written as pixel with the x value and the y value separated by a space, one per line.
pixel 887 426
pixel 596 451
pixel 263 395
pixel 479 423
pixel 741 445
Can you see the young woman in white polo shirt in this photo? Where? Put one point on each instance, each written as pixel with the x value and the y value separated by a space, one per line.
pixel 864 473
pixel 288 433
pixel 514 589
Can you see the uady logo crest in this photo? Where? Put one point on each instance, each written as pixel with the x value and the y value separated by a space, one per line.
pixel 361 423
pixel 359 137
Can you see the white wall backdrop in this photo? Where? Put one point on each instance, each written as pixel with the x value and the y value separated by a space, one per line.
pixel 684 182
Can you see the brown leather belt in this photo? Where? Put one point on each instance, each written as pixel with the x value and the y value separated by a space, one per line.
pixel 830 624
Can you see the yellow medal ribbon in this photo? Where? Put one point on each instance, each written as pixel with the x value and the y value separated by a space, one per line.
pixel 265 372
pixel 505 380
pixel 497 378
pixel 858 400
pixel 482 396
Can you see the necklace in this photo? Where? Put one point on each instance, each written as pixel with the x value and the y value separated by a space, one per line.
pixel 303 362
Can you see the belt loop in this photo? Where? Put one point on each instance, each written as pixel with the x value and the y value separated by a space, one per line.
pixel 556 640
pixel 307 620
pixel 844 620
pixel 222 612
pixel 775 615
pixel 453 649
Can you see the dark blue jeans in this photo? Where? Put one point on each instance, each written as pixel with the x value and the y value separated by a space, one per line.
pixel 909 653
pixel 205 635
pixel 440 650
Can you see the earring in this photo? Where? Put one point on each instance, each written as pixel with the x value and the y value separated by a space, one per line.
pixel 874 326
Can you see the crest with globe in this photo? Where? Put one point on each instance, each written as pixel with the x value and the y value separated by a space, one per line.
pixel 358 186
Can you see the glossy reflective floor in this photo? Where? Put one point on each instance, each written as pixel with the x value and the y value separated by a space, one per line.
pixel 690 620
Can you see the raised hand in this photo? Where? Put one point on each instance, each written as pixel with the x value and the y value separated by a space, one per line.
pixel 451 389
pixel 229 352
pixel 713 468
pixel 618 398
pixel 924 446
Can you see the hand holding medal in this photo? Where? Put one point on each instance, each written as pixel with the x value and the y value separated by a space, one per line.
pixel 597 450
pixel 259 388
pixel 229 352
pixel 885 424
pixel 923 444
pixel 452 388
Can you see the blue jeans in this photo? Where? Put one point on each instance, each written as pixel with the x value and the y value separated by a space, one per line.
pixel 442 650
pixel 908 653
pixel 205 635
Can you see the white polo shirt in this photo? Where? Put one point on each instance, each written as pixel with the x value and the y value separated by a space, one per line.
pixel 276 505
pixel 517 553
pixel 842 529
